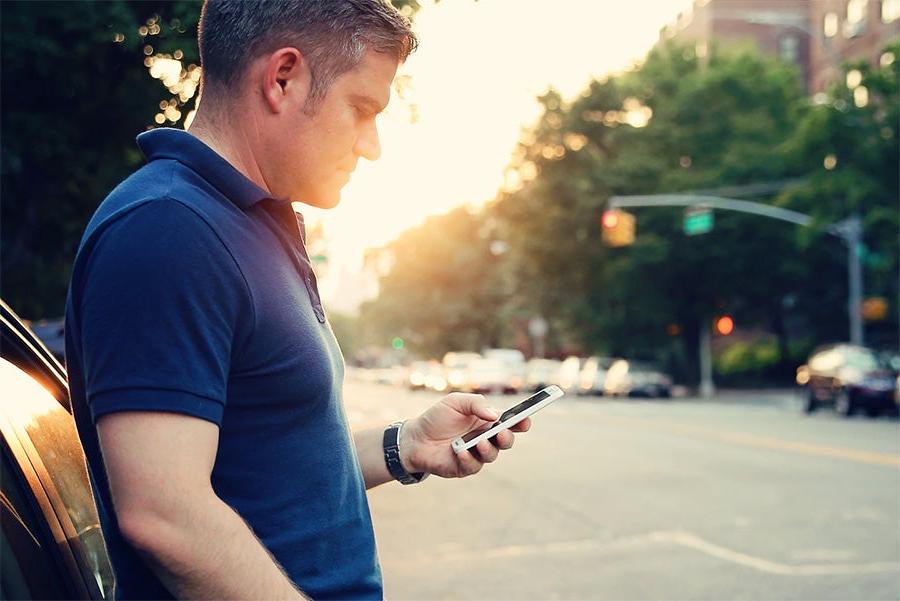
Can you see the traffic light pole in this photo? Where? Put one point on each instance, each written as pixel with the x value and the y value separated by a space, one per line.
pixel 849 230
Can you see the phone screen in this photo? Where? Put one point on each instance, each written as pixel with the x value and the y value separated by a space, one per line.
pixel 509 413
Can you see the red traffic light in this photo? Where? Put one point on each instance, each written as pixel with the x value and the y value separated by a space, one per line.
pixel 725 325
pixel 610 219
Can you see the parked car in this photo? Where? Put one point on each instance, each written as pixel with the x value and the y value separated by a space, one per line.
pixel 488 376
pixel 52 544
pixel 514 361
pixel 850 379
pixel 593 375
pixel 635 378
pixel 456 367
pixel 570 373
pixel 540 373
pixel 427 375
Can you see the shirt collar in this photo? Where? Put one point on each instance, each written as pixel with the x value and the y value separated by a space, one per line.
pixel 177 144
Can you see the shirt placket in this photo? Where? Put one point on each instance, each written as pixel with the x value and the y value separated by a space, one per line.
pixel 296 244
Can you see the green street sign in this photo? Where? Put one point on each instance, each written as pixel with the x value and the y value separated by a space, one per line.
pixel 697 220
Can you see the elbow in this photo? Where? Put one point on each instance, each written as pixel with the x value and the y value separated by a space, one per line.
pixel 147 532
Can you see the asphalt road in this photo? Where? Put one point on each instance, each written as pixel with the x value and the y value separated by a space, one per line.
pixel 746 498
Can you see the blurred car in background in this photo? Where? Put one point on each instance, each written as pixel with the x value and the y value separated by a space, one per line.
pixel 52 544
pixel 426 375
pixel 850 379
pixel 514 361
pixel 456 368
pixel 488 376
pixel 540 373
pixel 593 375
pixel 52 333
pixel 570 373
pixel 636 378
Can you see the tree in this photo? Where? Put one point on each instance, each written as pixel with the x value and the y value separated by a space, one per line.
pixel 75 93
pixel 709 124
pixel 445 290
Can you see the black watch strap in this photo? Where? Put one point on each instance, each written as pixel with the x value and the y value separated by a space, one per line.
pixel 391 445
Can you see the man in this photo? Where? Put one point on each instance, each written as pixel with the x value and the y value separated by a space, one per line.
pixel 205 379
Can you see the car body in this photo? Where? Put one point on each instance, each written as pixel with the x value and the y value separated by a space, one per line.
pixel 540 373
pixel 848 378
pixel 426 375
pixel 52 543
pixel 456 367
pixel 514 361
pixel 570 373
pixel 488 376
pixel 593 375
pixel 635 378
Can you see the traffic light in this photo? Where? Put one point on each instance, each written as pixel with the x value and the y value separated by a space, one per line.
pixel 397 343
pixel 724 325
pixel 617 228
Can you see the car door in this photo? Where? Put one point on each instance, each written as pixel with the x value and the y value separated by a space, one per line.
pixel 52 545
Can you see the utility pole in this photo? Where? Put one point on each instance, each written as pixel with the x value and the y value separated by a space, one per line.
pixel 707 388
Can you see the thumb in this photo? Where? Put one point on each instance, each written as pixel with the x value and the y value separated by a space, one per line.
pixel 475 404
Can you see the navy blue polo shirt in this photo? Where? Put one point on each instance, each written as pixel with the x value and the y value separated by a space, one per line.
pixel 192 293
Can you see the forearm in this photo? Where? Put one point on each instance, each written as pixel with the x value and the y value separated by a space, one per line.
pixel 370 451
pixel 209 552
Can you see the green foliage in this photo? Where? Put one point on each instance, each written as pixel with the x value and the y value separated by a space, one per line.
pixel 73 100
pixel 444 291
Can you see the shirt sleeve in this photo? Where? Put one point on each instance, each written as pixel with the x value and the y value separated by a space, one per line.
pixel 163 304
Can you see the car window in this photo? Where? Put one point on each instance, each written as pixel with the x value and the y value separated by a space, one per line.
pixel 861 359
pixel 52 431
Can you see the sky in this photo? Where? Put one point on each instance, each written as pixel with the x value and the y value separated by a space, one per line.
pixel 471 89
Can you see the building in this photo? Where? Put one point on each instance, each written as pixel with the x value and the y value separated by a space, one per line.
pixel 817 35
pixel 849 31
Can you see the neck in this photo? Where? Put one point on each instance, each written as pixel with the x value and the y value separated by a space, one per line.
pixel 230 141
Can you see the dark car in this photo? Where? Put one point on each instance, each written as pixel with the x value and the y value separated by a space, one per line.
pixel 636 378
pixel 849 378
pixel 52 546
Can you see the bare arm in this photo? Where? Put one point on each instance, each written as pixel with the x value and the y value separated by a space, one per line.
pixel 159 467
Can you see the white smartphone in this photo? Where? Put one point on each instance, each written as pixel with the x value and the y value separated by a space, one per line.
pixel 509 418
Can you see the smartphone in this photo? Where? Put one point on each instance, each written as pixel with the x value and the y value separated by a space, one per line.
pixel 509 418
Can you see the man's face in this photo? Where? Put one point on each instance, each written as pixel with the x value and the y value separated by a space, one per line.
pixel 310 157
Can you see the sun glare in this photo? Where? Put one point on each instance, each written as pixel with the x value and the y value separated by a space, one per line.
pixel 467 99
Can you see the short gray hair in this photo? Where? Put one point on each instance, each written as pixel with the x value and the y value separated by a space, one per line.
pixel 331 34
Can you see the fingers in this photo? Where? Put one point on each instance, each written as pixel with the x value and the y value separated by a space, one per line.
pixel 468 464
pixel 472 404
pixel 487 452
pixel 522 426
pixel 503 440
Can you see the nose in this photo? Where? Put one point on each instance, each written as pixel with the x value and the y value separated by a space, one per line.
pixel 368 145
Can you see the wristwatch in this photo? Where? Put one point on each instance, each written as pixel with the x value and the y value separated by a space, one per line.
pixel 392 456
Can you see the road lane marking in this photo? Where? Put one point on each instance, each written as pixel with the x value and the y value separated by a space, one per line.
pixel 763 442
pixel 677 538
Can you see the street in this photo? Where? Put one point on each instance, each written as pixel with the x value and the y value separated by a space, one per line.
pixel 634 499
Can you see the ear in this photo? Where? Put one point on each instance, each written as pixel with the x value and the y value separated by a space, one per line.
pixel 285 79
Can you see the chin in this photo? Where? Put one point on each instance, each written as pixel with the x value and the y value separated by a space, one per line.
pixel 322 200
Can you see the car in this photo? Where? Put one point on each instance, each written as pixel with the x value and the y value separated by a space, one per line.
pixel 488 376
pixel 848 378
pixel 570 373
pixel 426 375
pixel 540 373
pixel 593 375
pixel 52 545
pixel 456 365
pixel 514 361
pixel 636 378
